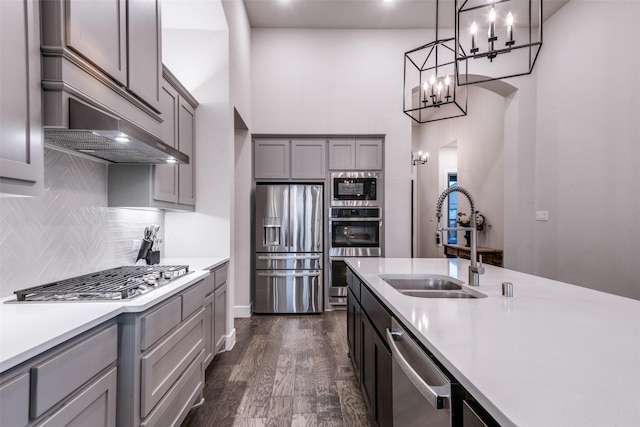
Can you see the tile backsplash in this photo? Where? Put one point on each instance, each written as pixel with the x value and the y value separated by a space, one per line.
pixel 68 231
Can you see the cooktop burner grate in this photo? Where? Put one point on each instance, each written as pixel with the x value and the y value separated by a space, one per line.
pixel 114 284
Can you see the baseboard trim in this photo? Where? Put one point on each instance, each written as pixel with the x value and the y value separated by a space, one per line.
pixel 230 340
pixel 242 311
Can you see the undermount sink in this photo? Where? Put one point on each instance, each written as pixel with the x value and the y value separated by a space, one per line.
pixel 429 286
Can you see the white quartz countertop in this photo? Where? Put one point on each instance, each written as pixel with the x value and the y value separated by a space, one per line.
pixel 30 328
pixel 554 355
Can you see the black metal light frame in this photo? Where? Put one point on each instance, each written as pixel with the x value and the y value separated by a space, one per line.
pixel 426 61
pixel 533 46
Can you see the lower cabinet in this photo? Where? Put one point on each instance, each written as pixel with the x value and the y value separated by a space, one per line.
pixel 72 384
pixel 366 323
pixel 162 360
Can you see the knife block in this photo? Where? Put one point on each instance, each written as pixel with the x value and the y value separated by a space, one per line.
pixel 153 257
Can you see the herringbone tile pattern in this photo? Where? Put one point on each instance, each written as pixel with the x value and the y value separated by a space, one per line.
pixel 69 230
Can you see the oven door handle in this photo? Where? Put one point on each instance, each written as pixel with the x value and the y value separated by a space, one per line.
pixel 355 219
pixel 306 274
pixel 436 395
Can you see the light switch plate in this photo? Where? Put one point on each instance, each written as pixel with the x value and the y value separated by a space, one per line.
pixel 542 215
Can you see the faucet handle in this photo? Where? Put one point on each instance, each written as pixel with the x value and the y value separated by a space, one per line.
pixel 480 266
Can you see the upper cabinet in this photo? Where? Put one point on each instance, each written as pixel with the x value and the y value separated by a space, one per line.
pixel 283 159
pixel 169 186
pixel 21 145
pixel 107 53
pixel 355 154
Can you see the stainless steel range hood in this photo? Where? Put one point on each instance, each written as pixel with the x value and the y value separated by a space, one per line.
pixel 98 134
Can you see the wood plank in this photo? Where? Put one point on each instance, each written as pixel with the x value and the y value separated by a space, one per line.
pixel 304 420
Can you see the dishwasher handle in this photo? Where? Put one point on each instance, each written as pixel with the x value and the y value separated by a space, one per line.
pixel 437 396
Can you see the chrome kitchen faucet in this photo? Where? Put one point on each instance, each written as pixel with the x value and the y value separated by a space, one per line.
pixel 475 269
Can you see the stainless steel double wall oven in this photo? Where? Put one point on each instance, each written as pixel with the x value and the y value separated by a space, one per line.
pixel 355 225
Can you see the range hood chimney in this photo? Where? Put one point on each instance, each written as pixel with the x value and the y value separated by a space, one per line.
pixel 98 134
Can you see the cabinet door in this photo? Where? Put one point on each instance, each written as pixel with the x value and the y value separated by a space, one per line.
pixel 351 312
pixel 367 369
pixel 21 152
pixel 271 159
pixel 144 50
pixel 209 328
pixel 220 323
pixel 186 173
pixel 342 154
pixel 14 401
pixel 165 177
pixel 308 159
pixel 368 154
pixel 94 406
pixel 97 30
pixel 383 401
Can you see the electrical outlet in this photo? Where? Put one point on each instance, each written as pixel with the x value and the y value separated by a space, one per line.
pixel 136 243
pixel 542 215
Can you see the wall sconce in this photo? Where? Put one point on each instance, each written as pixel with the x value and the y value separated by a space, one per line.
pixel 419 158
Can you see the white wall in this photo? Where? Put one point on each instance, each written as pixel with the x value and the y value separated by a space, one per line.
pixel 588 147
pixel 478 137
pixel 340 82
pixel 240 99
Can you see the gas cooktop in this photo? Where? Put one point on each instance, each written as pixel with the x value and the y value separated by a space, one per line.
pixel 120 283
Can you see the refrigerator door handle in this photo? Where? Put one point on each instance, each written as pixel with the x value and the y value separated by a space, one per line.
pixel 290 274
pixel 294 257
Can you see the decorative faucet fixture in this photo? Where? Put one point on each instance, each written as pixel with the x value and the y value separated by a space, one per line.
pixel 476 268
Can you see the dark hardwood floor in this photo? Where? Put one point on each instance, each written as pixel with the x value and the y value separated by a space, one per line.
pixel 283 371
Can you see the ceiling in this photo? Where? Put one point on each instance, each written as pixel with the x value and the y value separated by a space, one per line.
pixel 359 14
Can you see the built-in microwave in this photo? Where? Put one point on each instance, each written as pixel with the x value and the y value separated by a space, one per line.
pixel 356 189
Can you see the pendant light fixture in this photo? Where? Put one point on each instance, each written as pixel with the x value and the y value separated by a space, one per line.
pixel 430 75
pixel 497 39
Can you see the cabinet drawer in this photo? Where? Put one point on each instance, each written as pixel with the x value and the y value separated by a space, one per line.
pixel 379 316
pixel 173 409
pixel 14 401
pixel 61 375
pixel 159 322
pixel 221 276
pixel 163 365
pixel 95 406
pixel 193 299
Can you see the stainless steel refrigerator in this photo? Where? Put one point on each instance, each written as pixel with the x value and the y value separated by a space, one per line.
pixel 288 248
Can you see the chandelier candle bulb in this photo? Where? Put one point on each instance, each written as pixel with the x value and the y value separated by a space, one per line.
pixel 447 81
pixel 425 87
pixel 433 83
pixel 474 41
pixel 510 40
pixel 492 25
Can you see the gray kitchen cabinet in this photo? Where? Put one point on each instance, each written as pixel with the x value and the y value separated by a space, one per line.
pixel 169 186
pixel 308 159
pixel 209 319
pixel 14 401
pixel 220 302
pixel 162 353
pixel 94 406
pixel 271 159
pixel 21 139
pixel 122 38
pixel 284 159
pixel 73 381
pixel 355 154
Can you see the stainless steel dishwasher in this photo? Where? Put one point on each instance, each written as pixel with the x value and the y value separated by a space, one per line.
pixel 422 394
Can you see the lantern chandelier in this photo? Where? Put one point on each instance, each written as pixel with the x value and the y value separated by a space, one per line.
pixel 497 39
pixel 430 74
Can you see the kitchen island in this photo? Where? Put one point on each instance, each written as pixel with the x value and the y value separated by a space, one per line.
pixel 554 354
